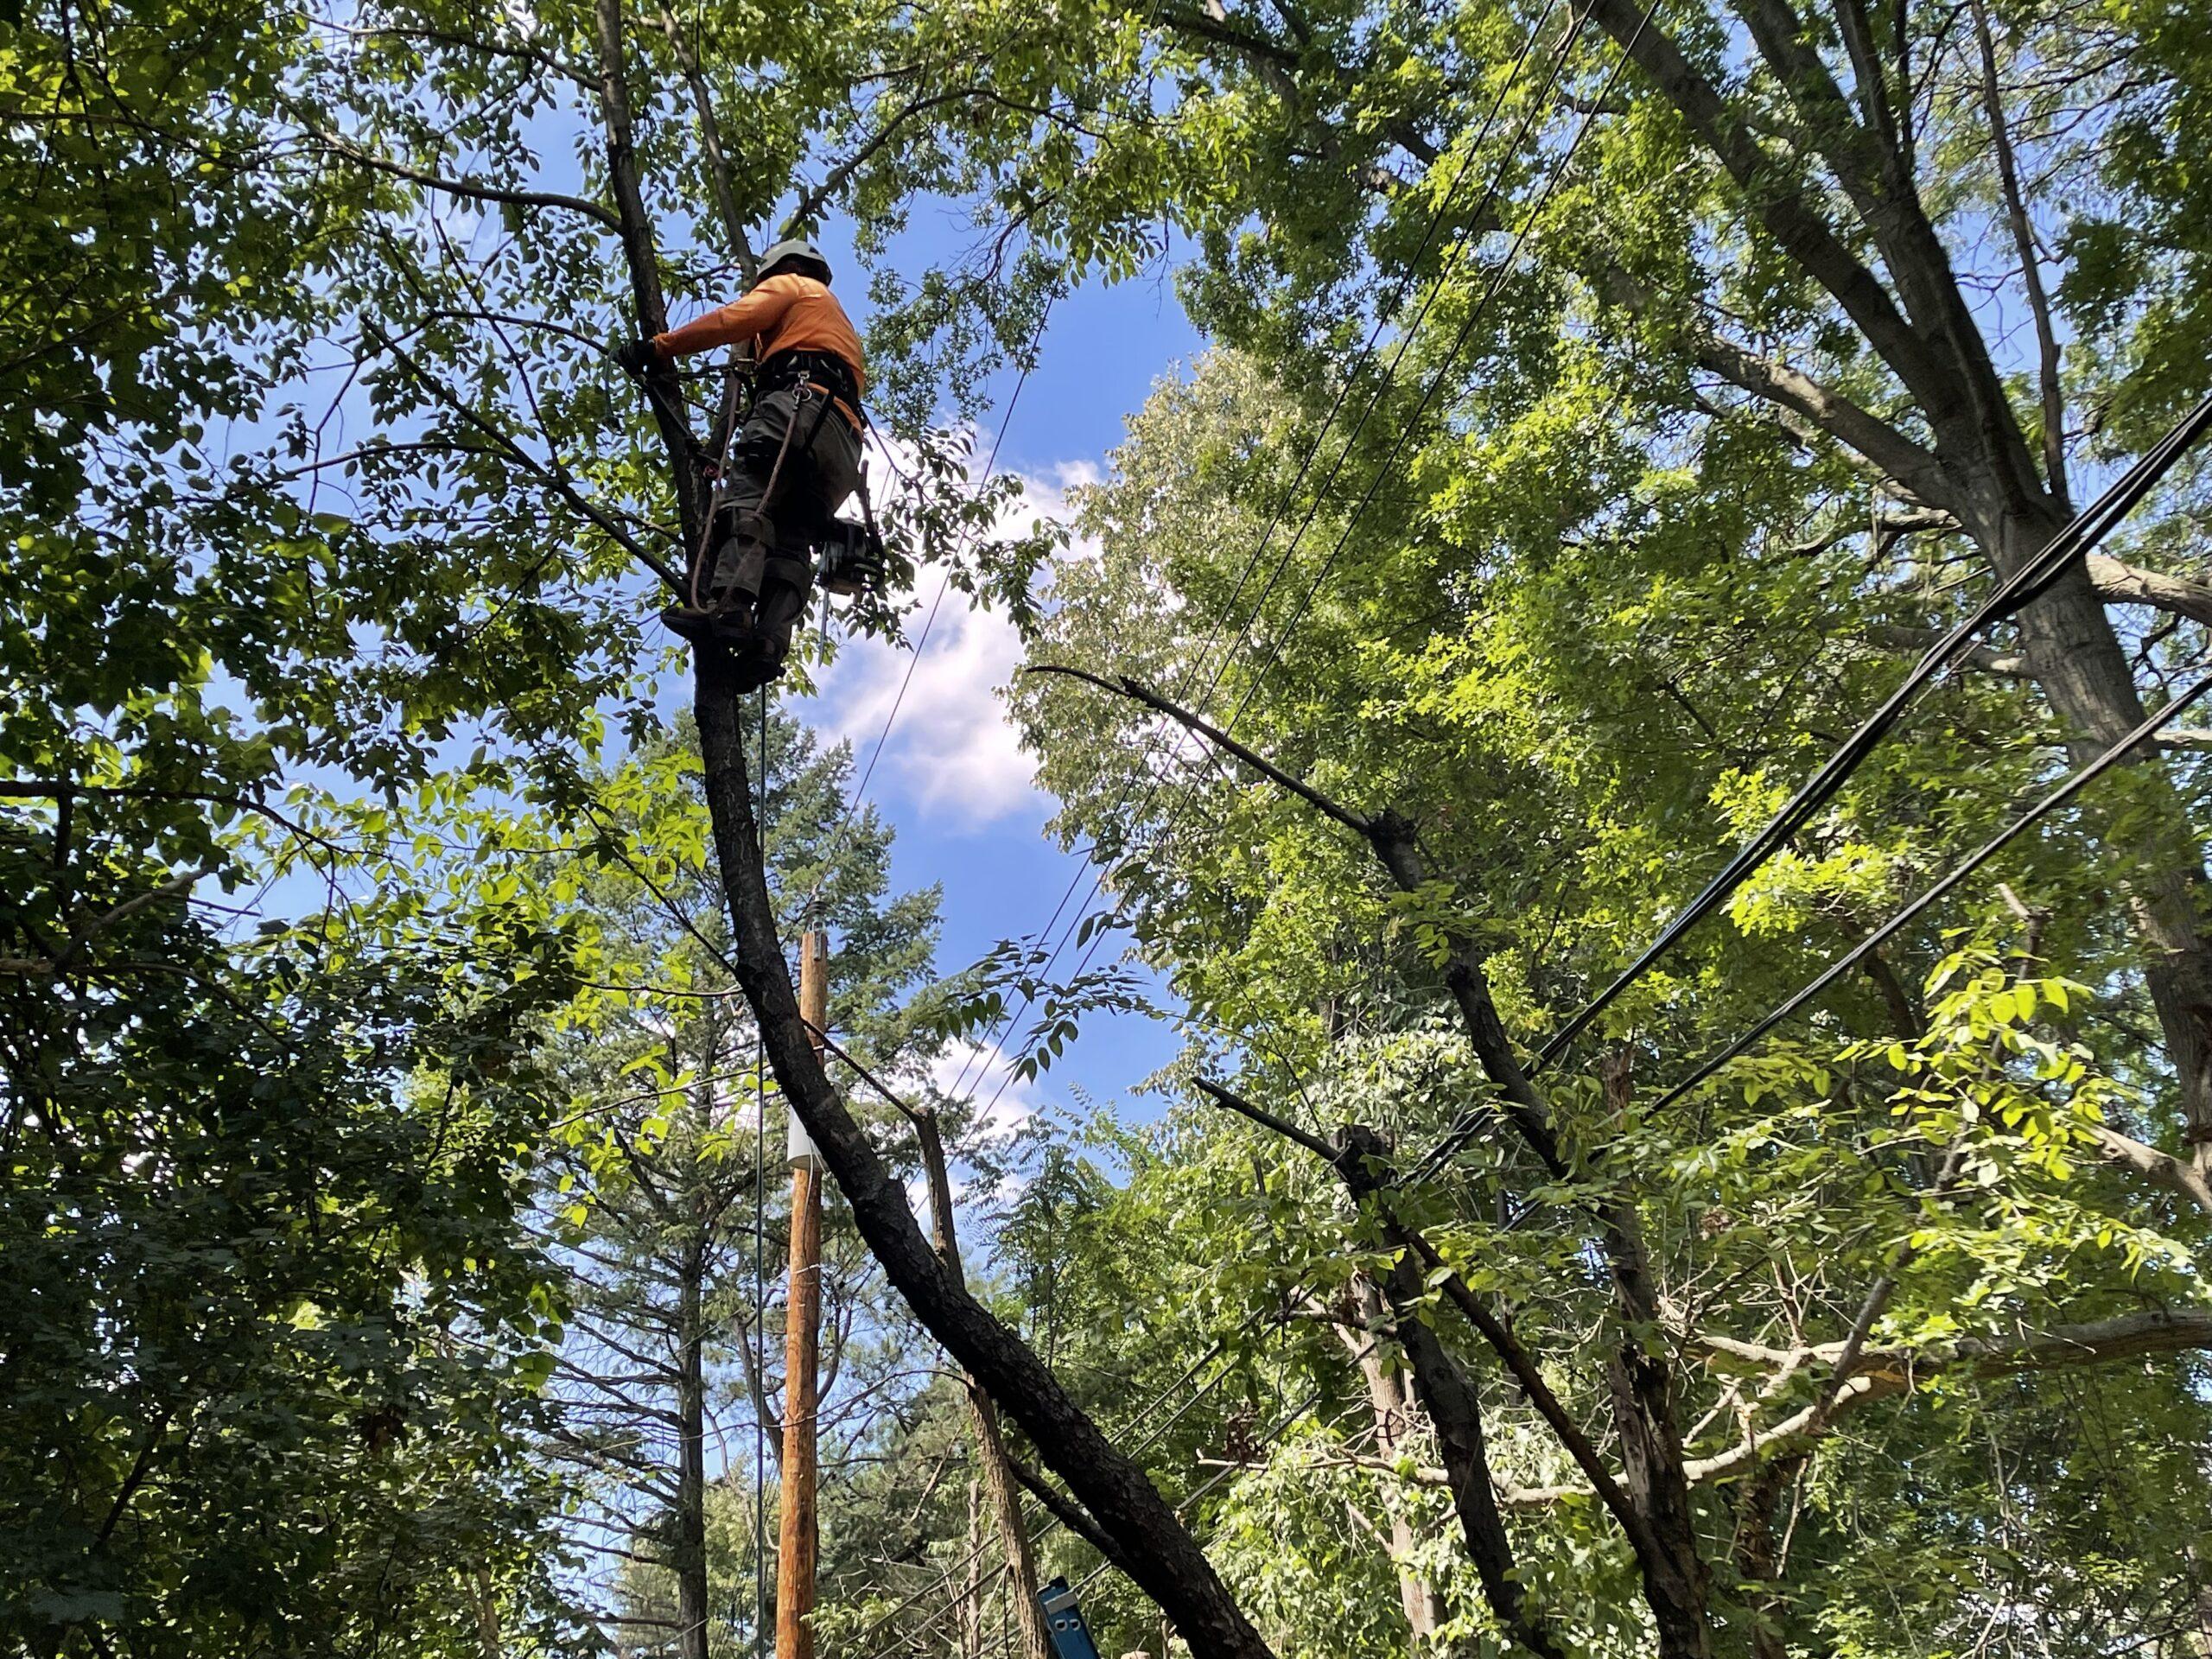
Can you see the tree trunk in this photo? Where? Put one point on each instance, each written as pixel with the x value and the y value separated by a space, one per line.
pixel 690 1553
pixel 487 1615
pixel 1982 471
pixel 1759 1557
pixel 1654 1466
pixel 1391 1403
pixel 2077 661
pixel 1639 1380
pixel 1162 1557
pixel 970 1615
pixel 1447 1394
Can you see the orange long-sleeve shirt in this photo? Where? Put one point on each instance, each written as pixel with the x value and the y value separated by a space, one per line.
pixel 785 313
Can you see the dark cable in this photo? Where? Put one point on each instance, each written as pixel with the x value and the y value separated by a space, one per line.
pixel 2032 578
pixel 1858 952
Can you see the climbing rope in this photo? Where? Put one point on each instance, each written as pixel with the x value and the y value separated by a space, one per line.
pixel 762 1624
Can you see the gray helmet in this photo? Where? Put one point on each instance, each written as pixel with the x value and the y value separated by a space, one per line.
pixel 793 251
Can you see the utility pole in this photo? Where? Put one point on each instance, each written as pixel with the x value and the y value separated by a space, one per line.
pixel 802 1336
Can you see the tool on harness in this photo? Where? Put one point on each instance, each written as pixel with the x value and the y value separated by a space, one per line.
pixel 1071 1636
pixel 849 557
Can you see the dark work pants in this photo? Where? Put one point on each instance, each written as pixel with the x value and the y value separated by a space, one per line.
pixel 766 556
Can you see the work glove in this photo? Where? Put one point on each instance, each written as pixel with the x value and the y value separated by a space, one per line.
pixel 636 356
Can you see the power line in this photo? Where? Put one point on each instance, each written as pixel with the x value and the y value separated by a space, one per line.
pixel 1385 314
pixel 2019 826
pixel 945 584
pixel 2083 533
pixel 1499 273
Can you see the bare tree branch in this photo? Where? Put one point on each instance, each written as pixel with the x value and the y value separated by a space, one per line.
pixel 468 189
pixel 2126 584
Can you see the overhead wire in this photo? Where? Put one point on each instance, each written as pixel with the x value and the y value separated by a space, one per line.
pixel 2033 577
pixel 2042 809
pixel 945 583
pixel 853 801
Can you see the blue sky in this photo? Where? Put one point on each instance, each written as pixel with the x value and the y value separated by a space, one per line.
pixel 952 779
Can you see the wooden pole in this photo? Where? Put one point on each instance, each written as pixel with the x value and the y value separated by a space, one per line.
pixel 801 1340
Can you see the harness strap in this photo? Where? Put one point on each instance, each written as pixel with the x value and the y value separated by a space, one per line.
pixel 797 366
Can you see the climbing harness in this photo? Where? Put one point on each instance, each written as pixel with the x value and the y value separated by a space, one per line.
pixel 742 589
pixel 849 557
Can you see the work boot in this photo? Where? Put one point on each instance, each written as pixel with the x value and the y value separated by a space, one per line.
pixel 700 627
pixel 790 584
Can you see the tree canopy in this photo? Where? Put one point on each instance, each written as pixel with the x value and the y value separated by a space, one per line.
pixel 1605 408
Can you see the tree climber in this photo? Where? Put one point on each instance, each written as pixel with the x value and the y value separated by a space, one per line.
pixel 796 459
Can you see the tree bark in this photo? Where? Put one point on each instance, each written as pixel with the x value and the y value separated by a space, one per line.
pixel 639 253
pixel 487 1615
pixel 1163 1558
pixel 689 1544
pixel 970 1617
pixel 1760 1556
pixel 1639 1378
pixel 1989 481
pixel 1390 1402
pixel 2078 662
pixel 1655 1467
pixel 1455 1411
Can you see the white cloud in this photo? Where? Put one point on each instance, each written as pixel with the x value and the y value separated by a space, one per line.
pixel 1004 1101
pixel 952 750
